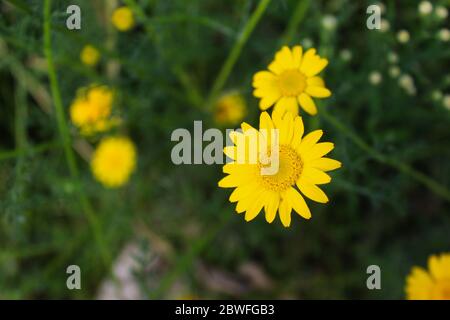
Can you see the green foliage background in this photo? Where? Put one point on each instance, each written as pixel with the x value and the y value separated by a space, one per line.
pixel 381 210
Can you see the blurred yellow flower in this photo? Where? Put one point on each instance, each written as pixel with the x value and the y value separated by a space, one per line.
pixel 291 80
pixel 230 109
pixel 123 19
pixel 91 110
pixel 300 163
pixel 431 284
pixel 113 161
pixel 89 55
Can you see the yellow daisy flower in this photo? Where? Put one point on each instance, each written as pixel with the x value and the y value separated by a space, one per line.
pixel 89 55
pixel 91 110
pixel 113 161
pixel 431 284
pixel 230 109
pixel 300 163
pixel 123 19
pixel 291 81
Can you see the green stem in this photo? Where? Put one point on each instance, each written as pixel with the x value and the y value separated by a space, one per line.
pixel 205 21
pixel 428 182
pixel 60 117
pixel 235 52
pixel 190 89
pixel 26 79
pixel 21 120
pixel 66 139
pixel 21 5
pixel 295 20
pixel 5 155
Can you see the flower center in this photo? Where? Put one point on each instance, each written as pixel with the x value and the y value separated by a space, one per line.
pixel 441 290
pixel 290 167
pixel 292 82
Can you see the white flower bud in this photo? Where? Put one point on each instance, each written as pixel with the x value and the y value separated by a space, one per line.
pixel 403 36
pixel 329 22
pixel 394 71
pixel 375 78
pixel 442 12
pixel 425 8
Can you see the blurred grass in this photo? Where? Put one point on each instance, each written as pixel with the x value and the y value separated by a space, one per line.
pixel 181 55
pixel 66 139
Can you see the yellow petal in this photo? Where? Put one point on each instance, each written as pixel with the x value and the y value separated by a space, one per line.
pixel 419 285
pixel 237 168
pixel 245 126
pixel 298 132
pixel 236 136
pixel 266 126
pixel 297 52
pixel 312 64
pixel 265 122
pixel 318 92
pixel 245 203
pixel 235 195
pixel 285 212
pixel 315 176
pixel 260 92
pixel 289 104
pixel 231 167
pixel 243 191
pixel 318 151
pixel 307 59
pixel 445 262
pixel 283 60
pixel 298 203
pixel 311 191
pixel 278 110
pixel 309 141
pixel 276 67
pixel 437 270
pixel 286 129
pixel 268 100
pixel 271 206
pixel 230 152
pixel 307 104
pixel 315 81
pixel 284 56
pixel 255 208
pixel 264 79
pixel 325 164
pixel 316 65
pixel 231 181
pixel 292 106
